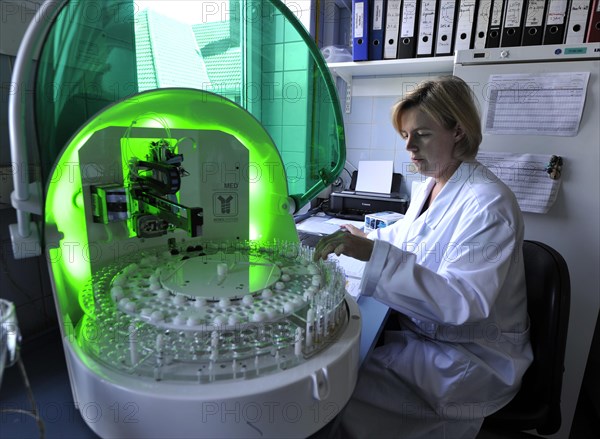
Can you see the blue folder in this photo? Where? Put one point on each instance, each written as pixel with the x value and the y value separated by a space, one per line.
pixel 360 30
pixel 377 28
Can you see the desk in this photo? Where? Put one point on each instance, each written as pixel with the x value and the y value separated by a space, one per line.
pixel 373 313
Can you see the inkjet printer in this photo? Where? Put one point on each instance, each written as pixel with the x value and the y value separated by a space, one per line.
pixel 354 205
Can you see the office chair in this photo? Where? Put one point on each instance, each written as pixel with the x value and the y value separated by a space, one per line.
pixel 537 404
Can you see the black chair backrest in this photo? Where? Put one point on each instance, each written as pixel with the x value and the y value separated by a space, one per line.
pixel 537 405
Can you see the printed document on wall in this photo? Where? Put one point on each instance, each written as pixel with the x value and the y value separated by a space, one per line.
pixel 546 104
pixel 526 175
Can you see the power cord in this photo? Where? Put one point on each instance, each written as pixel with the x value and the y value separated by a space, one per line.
pixel 33 412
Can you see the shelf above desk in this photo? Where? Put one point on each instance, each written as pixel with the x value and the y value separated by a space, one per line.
pixel 392 67
pixel 378 78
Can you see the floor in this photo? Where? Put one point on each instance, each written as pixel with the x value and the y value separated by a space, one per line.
pixel 48 377
pixel 586 425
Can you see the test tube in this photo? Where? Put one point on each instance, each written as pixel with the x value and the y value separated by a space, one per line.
pixel 310 316
pixel 133 345
pixel 298 342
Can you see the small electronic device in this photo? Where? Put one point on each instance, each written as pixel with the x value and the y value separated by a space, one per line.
pixel 380 220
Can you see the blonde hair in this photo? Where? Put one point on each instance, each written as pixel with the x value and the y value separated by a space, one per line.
pixel 450 102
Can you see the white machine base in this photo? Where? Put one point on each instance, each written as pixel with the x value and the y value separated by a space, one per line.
pixel 289 404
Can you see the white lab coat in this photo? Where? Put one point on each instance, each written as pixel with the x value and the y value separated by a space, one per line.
pixel 455 274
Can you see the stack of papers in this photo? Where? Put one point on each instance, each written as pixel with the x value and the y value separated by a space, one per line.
pixel 324 225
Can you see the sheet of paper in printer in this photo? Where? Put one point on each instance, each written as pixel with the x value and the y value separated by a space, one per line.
pixel 375 176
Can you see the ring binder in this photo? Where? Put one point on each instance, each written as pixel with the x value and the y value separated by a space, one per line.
pixel 376 29
pixel 511 29
pixel 534 23
pixel 407 42
pixel 495 25
pixel 554 30
pixel 464 26
pixel 579 12
pixel 445 27
pixel 392 29
pixel 426 31
pixel 481 24
pixel 360 30
pixel 593 32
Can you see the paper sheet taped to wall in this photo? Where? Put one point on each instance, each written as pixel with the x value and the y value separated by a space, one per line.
pixel 548 104
pixel 527 176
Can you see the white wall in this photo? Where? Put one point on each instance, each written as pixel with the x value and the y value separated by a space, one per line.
pixel 368 127
pixel 15 16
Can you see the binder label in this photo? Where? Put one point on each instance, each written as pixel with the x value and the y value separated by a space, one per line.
pixel 378 15
pixel 514 8
pixel 535 13
pixel 446 19
pixel 409 15
pixel 426 27
pixel 496 20
pixel 556 12
pixel 359 20
pixel 467 11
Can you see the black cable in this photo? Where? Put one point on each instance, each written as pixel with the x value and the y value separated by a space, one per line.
pixel 33 412
pixel 349 173
pixel 309 213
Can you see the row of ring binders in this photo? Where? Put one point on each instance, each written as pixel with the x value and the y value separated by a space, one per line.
pixel 392 29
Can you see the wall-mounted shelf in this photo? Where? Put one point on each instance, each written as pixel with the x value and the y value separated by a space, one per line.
pixel 394 67
pixel 348 70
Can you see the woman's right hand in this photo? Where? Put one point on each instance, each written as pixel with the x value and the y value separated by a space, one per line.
pixel 346 243
pixel 354 230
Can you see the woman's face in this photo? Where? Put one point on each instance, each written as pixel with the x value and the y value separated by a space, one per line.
pixel 430 145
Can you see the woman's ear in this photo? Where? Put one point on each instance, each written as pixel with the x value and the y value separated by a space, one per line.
pixel 459 134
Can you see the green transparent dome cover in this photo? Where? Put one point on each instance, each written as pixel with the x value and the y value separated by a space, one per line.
pixel 255 53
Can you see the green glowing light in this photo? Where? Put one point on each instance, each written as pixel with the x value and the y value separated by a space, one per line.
pixel 269 218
